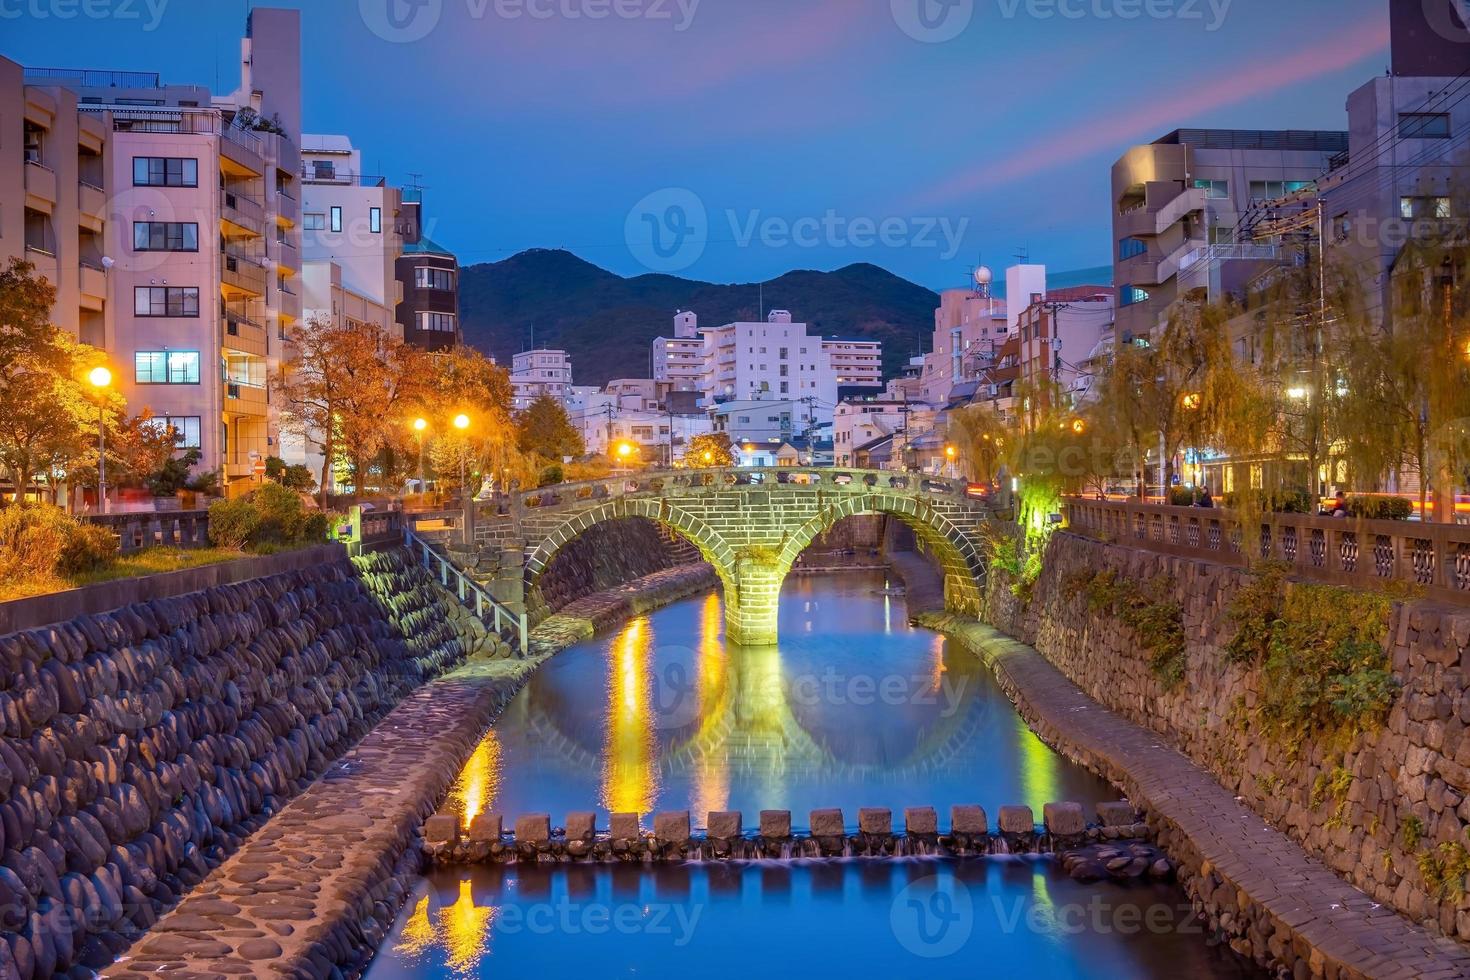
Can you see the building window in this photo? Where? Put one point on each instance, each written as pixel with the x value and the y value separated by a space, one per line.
pixel 1413 208
pixel 1424 125
pixel 165 172
pixel 314 221
pixel 1217 190
pixel 324 169
pixel 1270 190
pixel 166 367
pixel 1129 247
pixel 1129 295
pixel 438 323
pixel 427 277
pixel 185 428
pixel 375 220
pixel 166 301
pixel 165 236
pixel 336 218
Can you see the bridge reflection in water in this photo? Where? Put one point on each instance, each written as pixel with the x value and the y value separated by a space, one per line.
pixel 853 708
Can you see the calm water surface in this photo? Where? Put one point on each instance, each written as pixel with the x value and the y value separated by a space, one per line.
pixel 853 709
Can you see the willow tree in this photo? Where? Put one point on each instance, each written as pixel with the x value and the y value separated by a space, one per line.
pixel 1406 378
pixel 979 434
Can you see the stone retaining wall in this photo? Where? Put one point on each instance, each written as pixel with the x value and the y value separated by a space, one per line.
pixel 142 745
pixel 1397 800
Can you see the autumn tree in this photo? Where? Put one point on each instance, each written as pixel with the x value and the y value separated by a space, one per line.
pixel 342 389
pixel 464 381
pixel 545 430
pixel 708 450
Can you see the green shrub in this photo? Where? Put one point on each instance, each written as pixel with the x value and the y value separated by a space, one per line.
pixel 1255 609
pixel 1380 508
pixel 232 523
pixel 1182 496
pixel 282 515
pixel 1157 622
pixel 39 542
pixel 88 547
pixel 551 476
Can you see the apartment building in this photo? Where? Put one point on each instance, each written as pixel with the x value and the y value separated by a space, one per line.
pixel 540 372
pixel 1058 334
pixel 775 360
pixel 858 424
pixel 679 359
pixel 428 276
pixel 969 325
pixel 168 219
pixel 1178 204
pixel 856 362
pixel 351 237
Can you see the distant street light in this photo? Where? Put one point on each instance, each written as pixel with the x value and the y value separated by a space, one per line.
pixel 420 426
pixel 100 378
pixel 462 423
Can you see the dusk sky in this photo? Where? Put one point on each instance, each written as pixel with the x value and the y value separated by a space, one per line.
pixel 986 127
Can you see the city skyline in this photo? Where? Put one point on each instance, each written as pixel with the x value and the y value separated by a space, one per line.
pixel 736 127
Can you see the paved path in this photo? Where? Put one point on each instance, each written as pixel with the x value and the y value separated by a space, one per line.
pixel 1303 900
pixel 319 885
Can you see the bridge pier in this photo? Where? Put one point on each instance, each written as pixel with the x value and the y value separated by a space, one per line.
pixel 751 612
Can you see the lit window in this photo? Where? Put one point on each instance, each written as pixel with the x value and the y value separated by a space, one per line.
pixel 314 221
pixel 375 220
pixel 1214 189
pixel 173 367
pixel 336 218
pixel 1130 295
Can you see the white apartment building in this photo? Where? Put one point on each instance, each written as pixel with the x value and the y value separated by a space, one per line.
pixel 351 236
pixel 969 327
pixel 856 424
pixel 168 219
pixel 540 372
pixel 679 359
pixel 772 361
pixel 855 361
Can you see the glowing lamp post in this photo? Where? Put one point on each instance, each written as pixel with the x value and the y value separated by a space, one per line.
pixel 949 454
pixel 462 423
pixel 420 426
pixel 99 377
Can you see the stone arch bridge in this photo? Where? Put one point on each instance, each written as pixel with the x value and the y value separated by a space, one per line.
pixel 750 524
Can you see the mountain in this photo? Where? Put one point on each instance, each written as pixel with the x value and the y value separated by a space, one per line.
pixel 607 322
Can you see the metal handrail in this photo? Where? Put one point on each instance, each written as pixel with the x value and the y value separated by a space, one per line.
pixel 467 589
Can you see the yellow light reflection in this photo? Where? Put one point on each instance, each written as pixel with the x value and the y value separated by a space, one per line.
pixel 474 790
pixel 1040 769
pixel 630 757
pixel 712 775
pixel 463 932
pixel 937 666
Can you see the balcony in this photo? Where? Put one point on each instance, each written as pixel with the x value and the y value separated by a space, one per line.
pixel 245 399
pixel 289 303
pixel 288 209
pixel 1147 221
pixel 241 274
pixel 244 334
pixel 40 187
pixel 44 260
pixel 240 215
pixel 91 207
pixel 93 285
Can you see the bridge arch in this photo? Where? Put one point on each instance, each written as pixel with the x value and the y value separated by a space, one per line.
pixel 958 552
pixel 712 547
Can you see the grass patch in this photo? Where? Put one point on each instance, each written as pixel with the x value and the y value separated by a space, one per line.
pixel 149 561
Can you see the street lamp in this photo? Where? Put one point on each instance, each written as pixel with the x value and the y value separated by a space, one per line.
pixel 100 378
pixel 420 426
pixel 462 423
pixel 950 453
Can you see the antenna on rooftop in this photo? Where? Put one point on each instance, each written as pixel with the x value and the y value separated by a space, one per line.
pixel 1023 254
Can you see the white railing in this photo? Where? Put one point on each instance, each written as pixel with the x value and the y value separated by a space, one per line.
pixel 471 594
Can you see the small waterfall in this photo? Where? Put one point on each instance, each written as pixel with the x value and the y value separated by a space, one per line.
pixel 786 851
pixel 1001 847
pixel 847 847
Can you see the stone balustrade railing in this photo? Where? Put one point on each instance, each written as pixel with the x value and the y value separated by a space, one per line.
pixel 1341 551
pixel 178 529
pixel 676 483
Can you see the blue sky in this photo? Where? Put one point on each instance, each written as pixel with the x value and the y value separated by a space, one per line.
pixel 757 136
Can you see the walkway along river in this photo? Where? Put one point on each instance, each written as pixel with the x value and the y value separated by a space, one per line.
pixel 854 708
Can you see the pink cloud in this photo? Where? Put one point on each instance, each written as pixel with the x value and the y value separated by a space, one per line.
pixel 1265 75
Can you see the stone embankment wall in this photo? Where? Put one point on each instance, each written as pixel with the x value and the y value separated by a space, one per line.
pixel 140 746
pixel 1382 810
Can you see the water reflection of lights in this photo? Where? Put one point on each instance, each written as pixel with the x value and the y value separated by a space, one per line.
pixel 630 774
pixel 463 932
pixel 712 778
pixel 474 790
